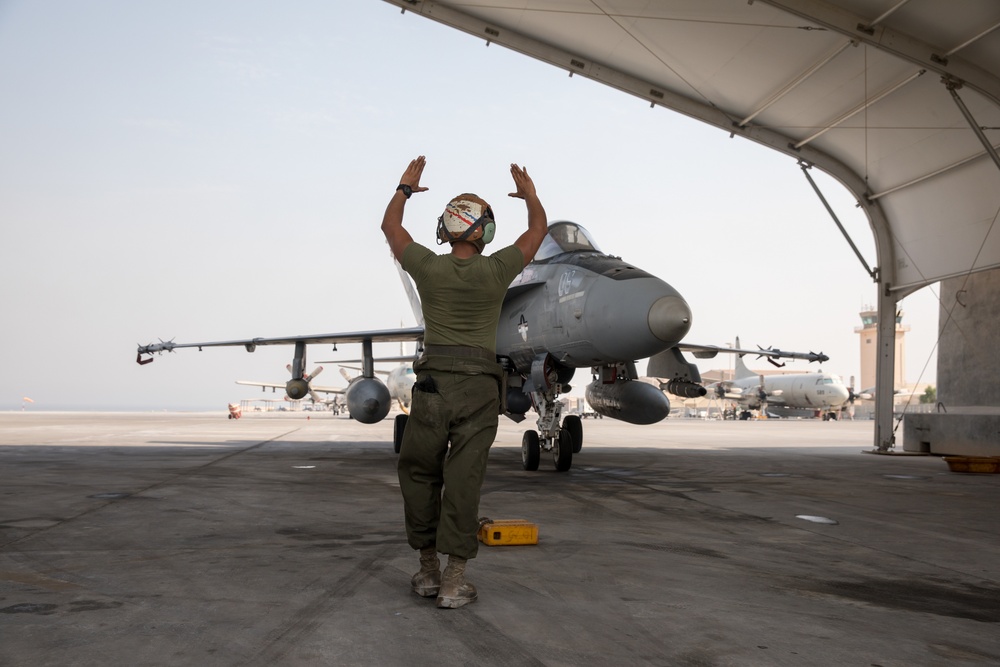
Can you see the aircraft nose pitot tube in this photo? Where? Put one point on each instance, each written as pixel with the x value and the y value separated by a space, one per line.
pixel 669 318
pixel 368 400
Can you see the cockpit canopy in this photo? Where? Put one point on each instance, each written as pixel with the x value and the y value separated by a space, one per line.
pixel 564 237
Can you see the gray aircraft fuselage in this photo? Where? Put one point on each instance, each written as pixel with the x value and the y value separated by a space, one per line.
pixel 585 308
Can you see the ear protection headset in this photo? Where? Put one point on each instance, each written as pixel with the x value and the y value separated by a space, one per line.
pixel 490 228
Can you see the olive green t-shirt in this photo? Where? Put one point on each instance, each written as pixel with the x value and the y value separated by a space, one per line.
pixel 461 298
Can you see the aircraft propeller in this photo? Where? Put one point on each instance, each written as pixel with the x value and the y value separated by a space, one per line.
pixel 852 395
pixel 309 377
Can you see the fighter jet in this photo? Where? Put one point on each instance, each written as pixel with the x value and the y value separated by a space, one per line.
pixel 572 307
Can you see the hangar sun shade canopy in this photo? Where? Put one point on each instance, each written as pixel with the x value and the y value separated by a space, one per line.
pixel 899 100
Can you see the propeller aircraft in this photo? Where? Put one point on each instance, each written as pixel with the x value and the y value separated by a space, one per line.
pixel 335 403
pixel 821 393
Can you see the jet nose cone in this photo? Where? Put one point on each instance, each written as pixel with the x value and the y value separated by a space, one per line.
pixel 669 318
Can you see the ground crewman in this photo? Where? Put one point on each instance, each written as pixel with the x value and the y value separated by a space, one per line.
pixel 456 398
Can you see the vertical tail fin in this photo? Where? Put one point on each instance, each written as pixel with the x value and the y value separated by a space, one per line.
pixel 741 369
pixel 411 294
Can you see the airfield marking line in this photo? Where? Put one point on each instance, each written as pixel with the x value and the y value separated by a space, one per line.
pixel 3 547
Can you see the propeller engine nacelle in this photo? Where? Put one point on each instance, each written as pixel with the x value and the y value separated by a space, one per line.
pixel 296 390
pixel 368 400
pixel 629 401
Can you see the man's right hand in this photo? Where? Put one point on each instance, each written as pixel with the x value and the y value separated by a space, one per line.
pixel 525 186
pixel 530 240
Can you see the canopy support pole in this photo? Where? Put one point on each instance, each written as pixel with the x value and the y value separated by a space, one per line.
pixel 953 87
pixel 829 209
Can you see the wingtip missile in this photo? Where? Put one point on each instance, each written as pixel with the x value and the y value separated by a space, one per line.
pixel 153 348
pixel 774 353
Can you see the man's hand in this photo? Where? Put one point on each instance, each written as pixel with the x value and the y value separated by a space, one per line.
pixel 392 222
pixel 412 174
pixel 529 241
pixel 525 186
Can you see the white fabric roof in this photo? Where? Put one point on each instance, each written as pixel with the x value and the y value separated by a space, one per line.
pixel 852 87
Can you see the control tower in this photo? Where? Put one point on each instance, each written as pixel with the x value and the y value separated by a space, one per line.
pixel 868 334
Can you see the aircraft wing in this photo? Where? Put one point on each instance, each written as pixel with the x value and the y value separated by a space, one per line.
pixel 375 336
pixel 266 385
pixel 710 351
pixel 328 390
pixel 400 359
pixel 275 385
pixel 356 368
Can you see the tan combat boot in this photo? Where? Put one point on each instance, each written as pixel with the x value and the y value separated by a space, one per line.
pixel 455 590
pixel 427 582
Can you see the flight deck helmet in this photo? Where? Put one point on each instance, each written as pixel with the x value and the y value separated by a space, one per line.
pixel 467 217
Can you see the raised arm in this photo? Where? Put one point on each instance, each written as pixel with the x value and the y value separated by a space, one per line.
pixel 392 221
pixel 529 241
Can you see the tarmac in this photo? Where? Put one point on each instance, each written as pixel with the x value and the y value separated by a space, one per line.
pixel 277 539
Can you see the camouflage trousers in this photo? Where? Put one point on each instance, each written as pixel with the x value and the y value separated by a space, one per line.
pixel 443 455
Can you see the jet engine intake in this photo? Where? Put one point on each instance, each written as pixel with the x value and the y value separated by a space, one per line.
pixel 297 389
pixel 543 372
pixel 368 400
pixel 629 401
pixel 686 389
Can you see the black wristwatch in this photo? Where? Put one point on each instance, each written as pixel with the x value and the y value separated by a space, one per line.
pixel 407 190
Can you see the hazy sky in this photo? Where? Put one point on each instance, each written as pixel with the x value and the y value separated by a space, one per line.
pixel 218 170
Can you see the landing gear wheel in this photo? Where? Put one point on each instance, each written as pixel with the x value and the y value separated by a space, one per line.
pixel 562 451
pixel 574 425
pixel 530 451
pixel 398 426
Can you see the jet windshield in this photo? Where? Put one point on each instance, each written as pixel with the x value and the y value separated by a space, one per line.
pixel 565 237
